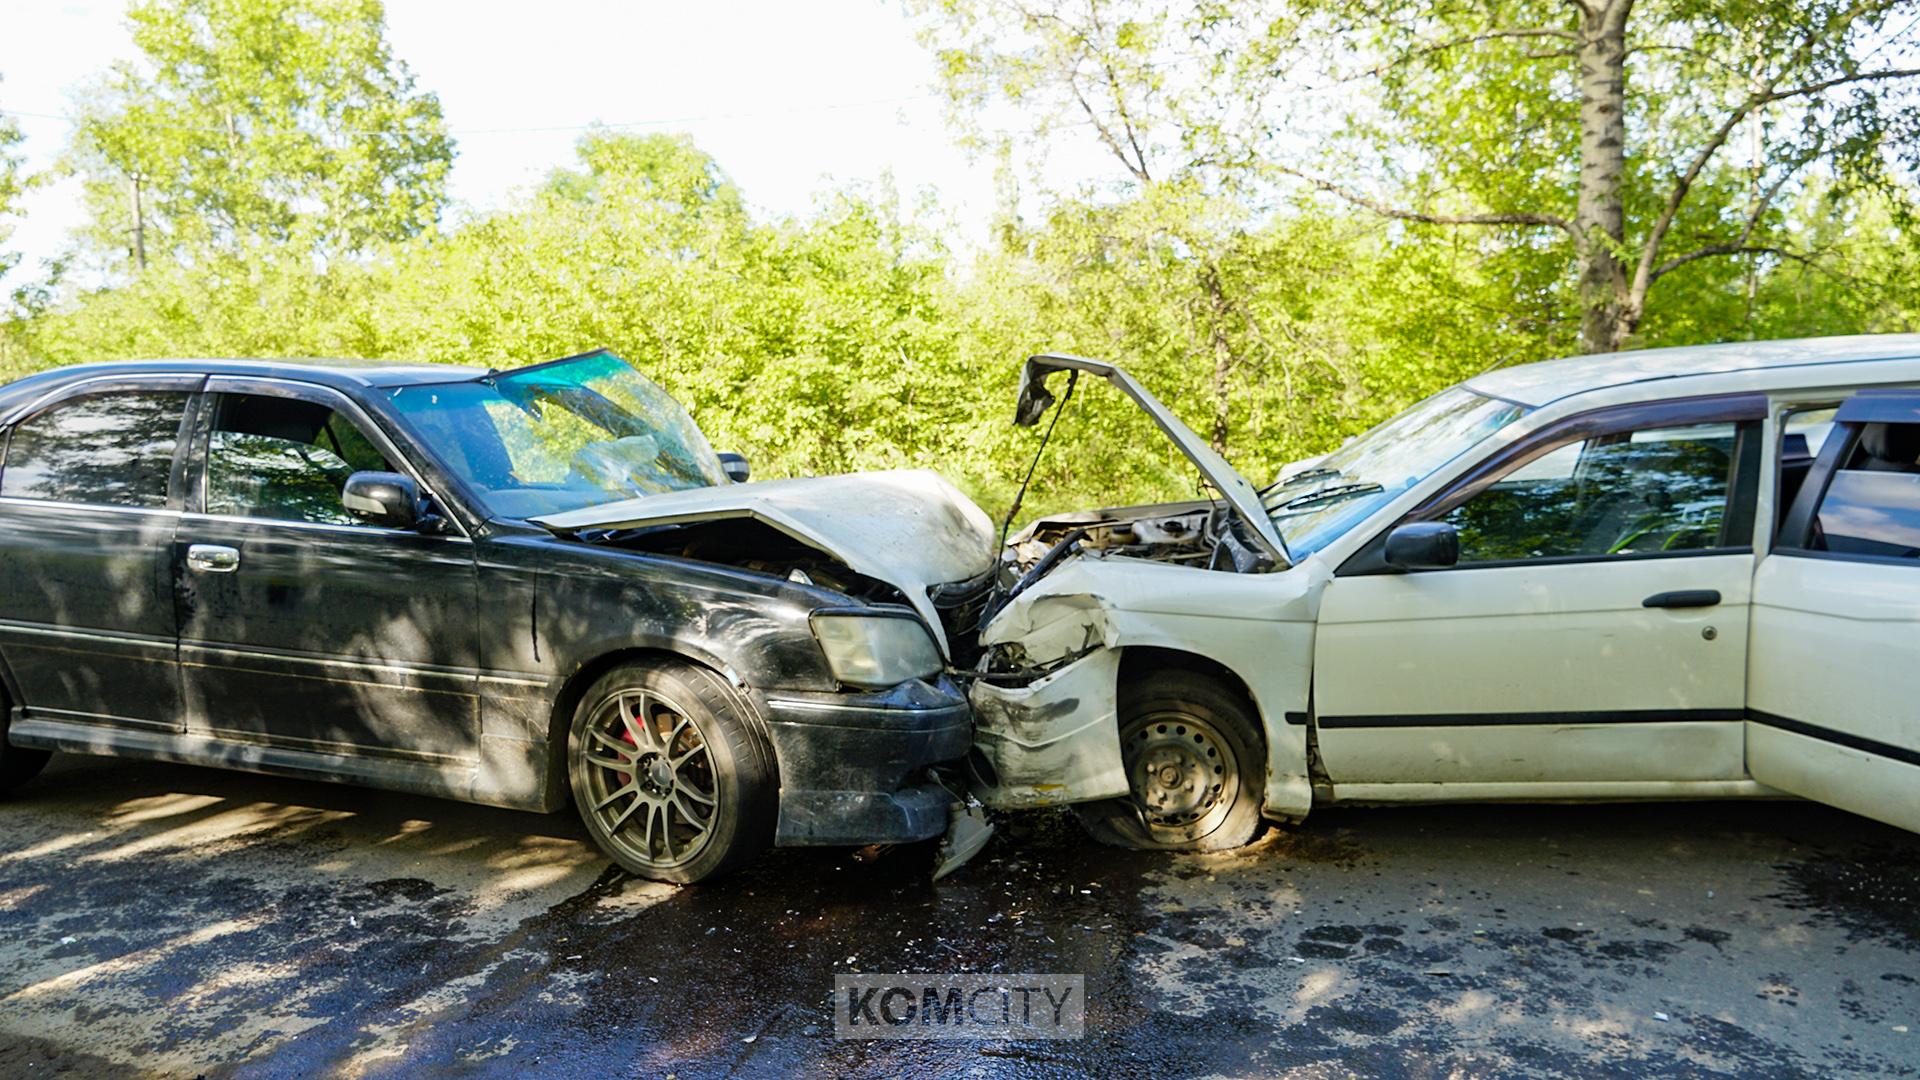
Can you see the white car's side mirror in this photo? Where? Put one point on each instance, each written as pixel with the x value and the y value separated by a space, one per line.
pixel 1422 545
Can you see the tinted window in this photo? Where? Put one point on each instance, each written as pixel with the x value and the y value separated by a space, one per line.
pixel 1872 507
pixel 1659 490
pixel 274 457
pixel 113 449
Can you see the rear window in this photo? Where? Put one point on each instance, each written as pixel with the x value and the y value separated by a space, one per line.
pixel 113 449
pixel 1872 506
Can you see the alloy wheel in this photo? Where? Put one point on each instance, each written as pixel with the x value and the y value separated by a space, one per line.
pixel 650 778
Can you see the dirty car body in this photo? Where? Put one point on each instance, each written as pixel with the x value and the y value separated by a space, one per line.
pixel 413 577
pixel 1543 584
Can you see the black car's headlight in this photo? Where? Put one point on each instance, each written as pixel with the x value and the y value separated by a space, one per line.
pixel 874 651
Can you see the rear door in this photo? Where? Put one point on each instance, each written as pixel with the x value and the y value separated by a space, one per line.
pixel 1834 685
pixel 89 497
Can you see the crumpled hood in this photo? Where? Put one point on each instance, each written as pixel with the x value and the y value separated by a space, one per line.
pixel 909 528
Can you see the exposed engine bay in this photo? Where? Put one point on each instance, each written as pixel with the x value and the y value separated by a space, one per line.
pixel 1200 534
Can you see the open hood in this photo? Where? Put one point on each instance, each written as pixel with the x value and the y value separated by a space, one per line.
pixel 908 528
pixel 1035 399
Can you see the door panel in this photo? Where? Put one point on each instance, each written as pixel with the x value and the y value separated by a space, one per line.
pixel 1593 632
pixel 327 637
pixel 1835 686
pixel 1543 672
pixel 87 514
pixel 86 613
pixel 299 626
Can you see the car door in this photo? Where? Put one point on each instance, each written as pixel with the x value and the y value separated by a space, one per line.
pixel 300 625
pixel 88 503
pixel 1593 631
pixel 1834 688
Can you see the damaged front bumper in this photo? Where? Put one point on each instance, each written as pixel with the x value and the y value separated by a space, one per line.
pixel 853 766
pixel 1052 741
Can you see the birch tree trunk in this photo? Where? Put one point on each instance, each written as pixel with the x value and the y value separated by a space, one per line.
pixel 1600 212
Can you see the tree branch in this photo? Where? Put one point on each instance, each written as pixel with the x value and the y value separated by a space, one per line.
pixel 1469 39
pixel 1384 210
pixel 1643 274
pixel 1138 169
pixel 1760 208
pixel 1809 261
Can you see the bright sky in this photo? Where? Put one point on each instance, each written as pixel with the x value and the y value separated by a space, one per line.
pixel 793 98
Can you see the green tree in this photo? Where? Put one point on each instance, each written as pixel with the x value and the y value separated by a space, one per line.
pixel 12 184
pixel 1644 136
pixel 259 122
pixel 1598 133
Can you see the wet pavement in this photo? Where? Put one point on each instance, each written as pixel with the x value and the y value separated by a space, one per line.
pixel 173 921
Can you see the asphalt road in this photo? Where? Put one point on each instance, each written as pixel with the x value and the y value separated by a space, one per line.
pixel 174 921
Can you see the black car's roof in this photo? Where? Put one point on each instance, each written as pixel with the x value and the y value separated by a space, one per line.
pixel 338 373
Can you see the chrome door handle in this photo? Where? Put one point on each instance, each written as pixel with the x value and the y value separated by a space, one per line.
pixel 213 559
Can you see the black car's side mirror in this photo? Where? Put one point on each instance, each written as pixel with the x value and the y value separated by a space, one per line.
pixel 1422 545
pixel 736 467
pixel 387 499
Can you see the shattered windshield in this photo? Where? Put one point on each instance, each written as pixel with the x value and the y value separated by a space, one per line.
pixel 1314 506
pixel 561 436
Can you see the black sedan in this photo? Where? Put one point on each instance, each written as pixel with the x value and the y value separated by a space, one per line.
pixel 517 588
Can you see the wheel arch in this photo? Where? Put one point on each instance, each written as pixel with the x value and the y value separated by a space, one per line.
pixel 1282 729
pixel 560 719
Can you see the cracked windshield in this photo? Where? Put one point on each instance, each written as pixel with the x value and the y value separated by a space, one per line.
pixel 561 436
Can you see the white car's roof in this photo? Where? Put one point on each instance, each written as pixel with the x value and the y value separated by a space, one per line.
pixel 1551 380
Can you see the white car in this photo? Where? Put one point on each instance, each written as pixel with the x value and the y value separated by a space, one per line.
pixel 1668 574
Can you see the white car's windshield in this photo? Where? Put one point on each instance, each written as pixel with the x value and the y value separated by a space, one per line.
pixel 560 436
pixel 1318 504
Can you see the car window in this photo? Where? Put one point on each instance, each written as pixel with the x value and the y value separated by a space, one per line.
pixel 112 449
pixel 1803 431
pixel 1631 493
pixel 278 458
pixel 1872 506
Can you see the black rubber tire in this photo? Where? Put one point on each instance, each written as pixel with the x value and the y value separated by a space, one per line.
pixel 742 775
pixel 18 764
pixel 1180 703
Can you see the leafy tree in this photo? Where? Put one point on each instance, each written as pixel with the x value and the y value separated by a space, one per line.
pixel 1618 126
pixel 251 122
pixel 12 184
pixel 1593 132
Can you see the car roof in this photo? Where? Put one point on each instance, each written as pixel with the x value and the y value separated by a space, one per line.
pixel 337 373
pixel 1551 380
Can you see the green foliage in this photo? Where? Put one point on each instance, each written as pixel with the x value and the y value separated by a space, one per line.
pixel 12 183
pixel 853 337
pixel 248 122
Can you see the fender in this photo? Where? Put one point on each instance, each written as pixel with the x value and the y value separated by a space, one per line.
pixel 1055 738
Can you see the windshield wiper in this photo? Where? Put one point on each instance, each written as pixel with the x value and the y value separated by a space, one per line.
pixel 1301 477
pixel 1328 494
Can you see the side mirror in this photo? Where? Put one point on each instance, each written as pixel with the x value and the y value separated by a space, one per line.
pixel 736 467
pixel 1422 545
pixel 387 499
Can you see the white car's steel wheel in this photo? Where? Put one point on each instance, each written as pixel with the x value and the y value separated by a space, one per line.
pixel 1194 762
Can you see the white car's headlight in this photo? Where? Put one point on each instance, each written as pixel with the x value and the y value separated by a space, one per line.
pixel 875 650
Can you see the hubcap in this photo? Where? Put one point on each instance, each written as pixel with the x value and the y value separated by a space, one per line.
pixel 650 778
pixel 1183 774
